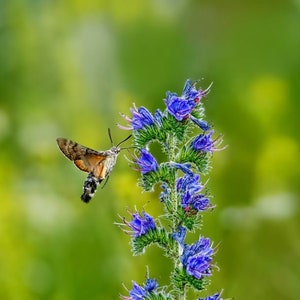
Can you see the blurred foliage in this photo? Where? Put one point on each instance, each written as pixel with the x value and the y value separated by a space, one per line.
pixel 67 68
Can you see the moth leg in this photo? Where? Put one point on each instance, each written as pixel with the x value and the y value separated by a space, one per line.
pixel 105 182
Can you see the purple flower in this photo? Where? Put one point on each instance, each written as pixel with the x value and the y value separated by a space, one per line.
pixel 137 292
pixel 188 183
pixel 203 142
pixel 188 186
pixel 200 202
pixel 196 258
pixel 158 115
pixel 202 124
pixel 197 202
pixel 140 225
pixel 147 163
pixel 179 107
pixel 198 266
pixel 190 92
pixel 166 192
pixel 141 292
pixel 151 285
pixel 213 297
pixel 141 117
pixel 186 199
pixel 184 167
pixel 179 235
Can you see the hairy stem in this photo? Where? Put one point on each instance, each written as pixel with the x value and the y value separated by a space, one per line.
pixel 174 201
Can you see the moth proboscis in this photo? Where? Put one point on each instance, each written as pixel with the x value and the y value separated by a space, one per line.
pixel 98 164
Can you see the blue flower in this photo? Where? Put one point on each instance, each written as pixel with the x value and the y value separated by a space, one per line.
pixel 198 266
pixel 188 183
pixel 203 142
pixel 184 167
pixel 137 292
pixel 141 117
pixel 196 258
pixel 147 163
pixel 200 202
pixel 141 292
pixel 140 225
pixel 213 297
pixel 187 187
pixel 202 124
pixel 179 107
pixel 179 235
pixel 197 202
pixel 151 285
pixel 166 192
pixel 190 92
pixel 158 115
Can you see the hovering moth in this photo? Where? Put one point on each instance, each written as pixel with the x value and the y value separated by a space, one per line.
pixel 98 164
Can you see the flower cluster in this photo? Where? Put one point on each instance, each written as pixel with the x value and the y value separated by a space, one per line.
pixel 182 195
pixel 188 187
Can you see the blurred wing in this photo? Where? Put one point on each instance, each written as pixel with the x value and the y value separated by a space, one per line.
pixel 84 158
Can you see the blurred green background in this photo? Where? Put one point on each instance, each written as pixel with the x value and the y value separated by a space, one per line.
pixel 67 68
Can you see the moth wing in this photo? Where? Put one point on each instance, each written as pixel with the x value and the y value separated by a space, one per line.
pixel 100 170
pixel 91 163
pixel 84 158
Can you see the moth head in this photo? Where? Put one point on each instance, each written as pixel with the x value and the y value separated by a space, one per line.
pixel 116 149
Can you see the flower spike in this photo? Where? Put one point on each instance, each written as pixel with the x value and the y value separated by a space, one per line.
pixel 187 144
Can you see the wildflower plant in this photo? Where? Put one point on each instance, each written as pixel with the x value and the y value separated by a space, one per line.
pixel 183 196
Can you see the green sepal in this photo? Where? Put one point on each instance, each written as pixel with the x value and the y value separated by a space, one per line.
pixel 182 279
pixel 143 137
pixel 161 131
pixel 199 159
pixel 163 174
pixel 170 124
pixel 198 111
pixel 158 236
pixel 188 218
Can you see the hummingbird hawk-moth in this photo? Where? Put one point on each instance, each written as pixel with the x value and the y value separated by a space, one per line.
pixel 98 164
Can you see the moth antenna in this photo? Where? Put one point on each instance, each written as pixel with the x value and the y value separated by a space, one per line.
pixel 125 148
pixel 124 140
pixel 110 138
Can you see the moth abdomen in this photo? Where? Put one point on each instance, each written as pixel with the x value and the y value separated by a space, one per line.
pixel 89 187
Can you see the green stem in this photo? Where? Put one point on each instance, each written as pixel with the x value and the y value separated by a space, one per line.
pixel 172 155
pixel 174 200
